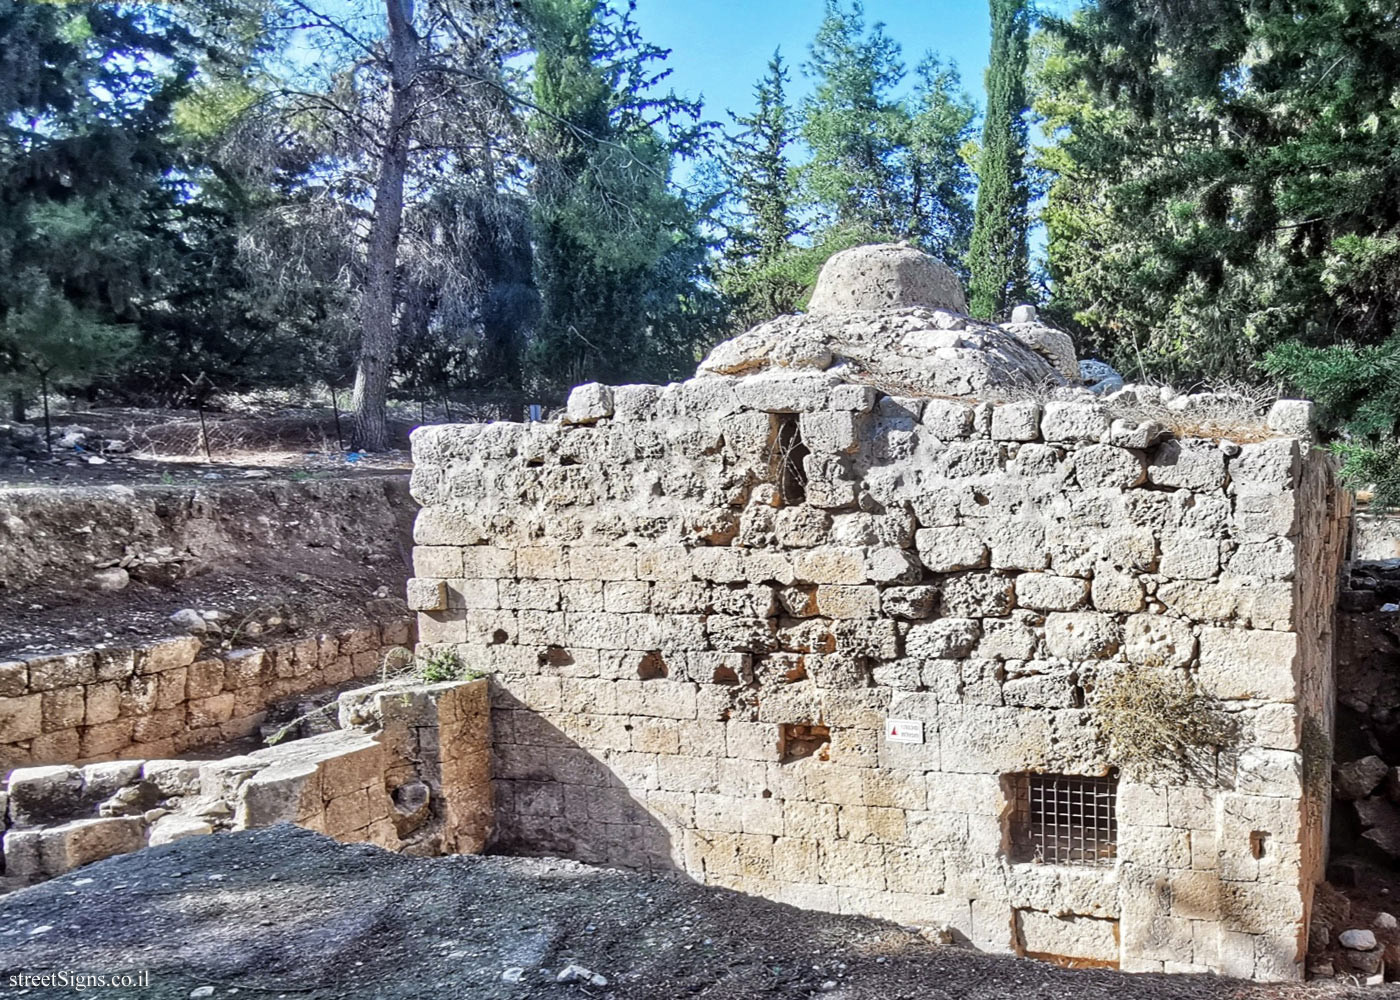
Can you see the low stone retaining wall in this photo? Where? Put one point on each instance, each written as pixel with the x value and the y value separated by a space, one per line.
pixel 168 696
pixel 411 773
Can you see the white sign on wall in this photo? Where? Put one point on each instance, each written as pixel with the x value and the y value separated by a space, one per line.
pixel 904 731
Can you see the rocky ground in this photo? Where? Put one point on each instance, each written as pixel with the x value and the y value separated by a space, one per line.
pixel 288 913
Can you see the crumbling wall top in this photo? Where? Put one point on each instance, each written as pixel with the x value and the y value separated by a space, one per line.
pixel 892 316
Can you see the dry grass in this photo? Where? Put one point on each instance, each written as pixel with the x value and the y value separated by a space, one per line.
pixel 1152 719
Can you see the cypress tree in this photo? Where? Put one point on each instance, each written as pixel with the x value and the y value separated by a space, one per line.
pixel 998 256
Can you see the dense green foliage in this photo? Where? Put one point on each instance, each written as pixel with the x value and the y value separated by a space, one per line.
pixel 119 221
pixel 999 261
pixel 1358 392
pixel 498 199
pixel 1225 183
pixel 870 162
pixel 1226 179
pixel 619 254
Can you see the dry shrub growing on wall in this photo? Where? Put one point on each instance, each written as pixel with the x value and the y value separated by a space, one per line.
pixel 1155 719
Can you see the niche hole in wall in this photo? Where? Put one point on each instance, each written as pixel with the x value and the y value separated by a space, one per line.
pixel 799 740
pixel 651 667
pixel 1258 844
pixel 786 460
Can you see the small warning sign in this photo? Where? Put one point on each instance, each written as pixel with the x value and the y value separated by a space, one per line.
pixel 904 731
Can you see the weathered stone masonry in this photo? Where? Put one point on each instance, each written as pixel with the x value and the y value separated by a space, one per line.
pixel 666 593
pixel 169 696
pixel 818 625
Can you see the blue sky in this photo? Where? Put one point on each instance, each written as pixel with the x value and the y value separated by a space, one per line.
pixel 720 47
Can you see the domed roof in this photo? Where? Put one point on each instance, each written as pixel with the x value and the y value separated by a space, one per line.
pixel 886 276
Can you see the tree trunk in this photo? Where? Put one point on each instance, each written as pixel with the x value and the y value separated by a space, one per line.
pixel 17 411
pixel 378 336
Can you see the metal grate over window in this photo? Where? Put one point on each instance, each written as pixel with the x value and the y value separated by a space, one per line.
pixel 1061 819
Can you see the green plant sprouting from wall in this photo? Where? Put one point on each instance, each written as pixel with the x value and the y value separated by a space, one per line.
pixel 442 665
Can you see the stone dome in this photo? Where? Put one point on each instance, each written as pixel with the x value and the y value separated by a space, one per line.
pixel 886 276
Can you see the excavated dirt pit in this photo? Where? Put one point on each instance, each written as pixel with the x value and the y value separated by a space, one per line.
pixel 284 557
pixel 287 913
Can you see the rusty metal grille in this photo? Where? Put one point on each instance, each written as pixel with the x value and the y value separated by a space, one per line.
pixel 1067 820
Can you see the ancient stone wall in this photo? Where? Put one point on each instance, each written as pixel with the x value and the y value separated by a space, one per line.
pixel 168 696
pixel 409 772
pixel 703 604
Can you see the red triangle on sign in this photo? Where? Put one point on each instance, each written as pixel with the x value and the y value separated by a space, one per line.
pixel 894 730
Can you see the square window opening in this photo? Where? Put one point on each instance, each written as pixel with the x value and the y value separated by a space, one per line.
pixel 1063 819
pixel 798 741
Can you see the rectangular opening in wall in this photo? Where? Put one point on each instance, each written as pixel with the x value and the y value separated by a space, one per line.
pixel 785 459
pixel 799 740
pixel 1063 819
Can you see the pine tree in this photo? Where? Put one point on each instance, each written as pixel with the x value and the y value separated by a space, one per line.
pixel 853 124
pixel 759 172
pixel 1225 180
pixel 998 257
pixel 619 255
pixel 1357 389
pixel 88 204
pixel 883 166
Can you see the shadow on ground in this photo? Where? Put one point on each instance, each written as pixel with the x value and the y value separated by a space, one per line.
pixel 285 912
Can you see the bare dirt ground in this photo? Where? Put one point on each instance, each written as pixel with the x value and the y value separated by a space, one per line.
pixel 279 557
pixel 128 445
pixel 288 913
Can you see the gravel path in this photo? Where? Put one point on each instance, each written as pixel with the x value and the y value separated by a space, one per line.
pixel 288 913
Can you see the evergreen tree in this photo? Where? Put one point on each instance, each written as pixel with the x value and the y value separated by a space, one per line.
pixel 762 198
pixel 88 196
pixel 758 170
pixel 998 256
pixel 1226 180
pixel 1357 389
pixel 619 256
pixel 853 124
pixel 939 182
pixel 882 166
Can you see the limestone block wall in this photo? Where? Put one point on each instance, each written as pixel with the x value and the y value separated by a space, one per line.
pixel 168 696
pixel 409 773
pixel 701 604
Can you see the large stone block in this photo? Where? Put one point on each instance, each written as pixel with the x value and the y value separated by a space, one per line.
pixel 942 639
pixel 945 550
pixel 1249 663
pixel 832 432
pixel 1189 557
pixel 947 419
pixel 83 841
pixel 1050 935
pixel 1159 641
pixel 1198 466
pixel 978 595
pixel 1046 592
pixel 1102 465
pixel 1276 464
pixel 40 796
pixel 21 718
pixel 59 670
pixel 1082 635
pixel 1017 421
pixel 1073 422
pixel 589 403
